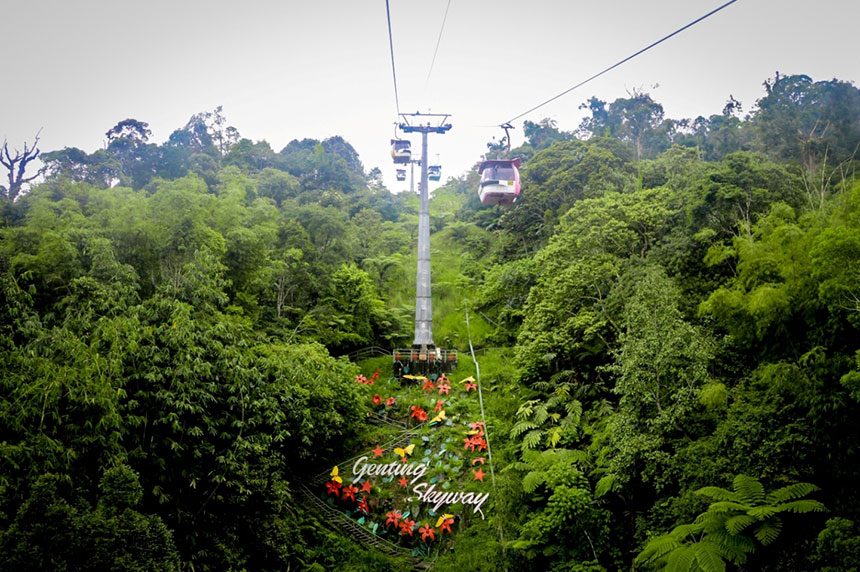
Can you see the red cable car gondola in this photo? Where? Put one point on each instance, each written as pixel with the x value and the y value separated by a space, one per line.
pixel 500 182
pixel 401 150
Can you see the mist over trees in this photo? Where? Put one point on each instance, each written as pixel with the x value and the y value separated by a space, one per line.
pixel 676 301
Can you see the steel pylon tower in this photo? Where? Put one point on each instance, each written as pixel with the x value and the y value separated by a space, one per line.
pixel 423 302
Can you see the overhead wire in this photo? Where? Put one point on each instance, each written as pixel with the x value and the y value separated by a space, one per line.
pixel 391 48
pixel 438 41
pixel 625 60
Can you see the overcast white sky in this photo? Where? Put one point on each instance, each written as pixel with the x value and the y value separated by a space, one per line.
pixel 314 68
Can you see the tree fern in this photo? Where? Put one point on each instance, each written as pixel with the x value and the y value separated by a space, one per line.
pixel 730 528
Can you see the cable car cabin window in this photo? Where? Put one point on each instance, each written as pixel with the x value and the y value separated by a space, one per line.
pixel 497 173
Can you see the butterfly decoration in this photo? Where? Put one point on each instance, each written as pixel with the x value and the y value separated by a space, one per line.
pixel 334 475
pixel 404 451
pixel 439 418
pixel 414 377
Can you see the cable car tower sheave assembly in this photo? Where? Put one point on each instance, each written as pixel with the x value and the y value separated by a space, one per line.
pixel 424 357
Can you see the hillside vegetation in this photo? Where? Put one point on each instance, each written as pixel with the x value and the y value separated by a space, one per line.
pixel 667 323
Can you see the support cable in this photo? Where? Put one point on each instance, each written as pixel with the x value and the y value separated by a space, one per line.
pixel 483 418
pixel 438 41
pixel 391 48
pixel 625 60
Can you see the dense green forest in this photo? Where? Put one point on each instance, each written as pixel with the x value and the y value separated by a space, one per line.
pixel 667 321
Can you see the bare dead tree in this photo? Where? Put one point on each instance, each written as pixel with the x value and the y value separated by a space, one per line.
pixel 16 165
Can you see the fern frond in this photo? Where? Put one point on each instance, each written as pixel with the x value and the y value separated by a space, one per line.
pixel 801 506
pixel 533 480
pixel 553 436
pixel 749 489
pixel 657 548
pixel 732 547
pixel 791 492
pixel 767 531
pixel 574 410
pixel 684 531
pixel 736 524
pixel 527 408
pixel 708 558
pixel 680 560
pixel 521 427
pixel 541 413
pixel 604 485
pixel 532 439
pixel 763 512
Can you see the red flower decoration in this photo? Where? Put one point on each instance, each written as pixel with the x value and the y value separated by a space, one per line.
pixel 418 413
pixel 477 426
pixel 477 460
pixel 475 442
pixel 362 505
pixel 439 405
pixel 378 451
pixel 428 385
pixel 390 402
pixel 393 517
pixel 349 492
pixel 471 386
pixel 361 379
pixel 366 486
pixel 479 474
pixel 374 377
pixel 377 399
pixel 333 488
pixel 427 532
pixel 403 481
pixel 407 527
pixel 444 388
pixel 446 525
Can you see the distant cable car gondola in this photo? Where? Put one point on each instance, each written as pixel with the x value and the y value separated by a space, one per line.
pixel 434 172
pixel 401 174
pixel 500 182
pixel 401 150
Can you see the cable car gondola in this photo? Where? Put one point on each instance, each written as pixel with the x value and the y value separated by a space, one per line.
pixel 434 172
pixel 401 174
pixel 401 150
pixel 500 182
